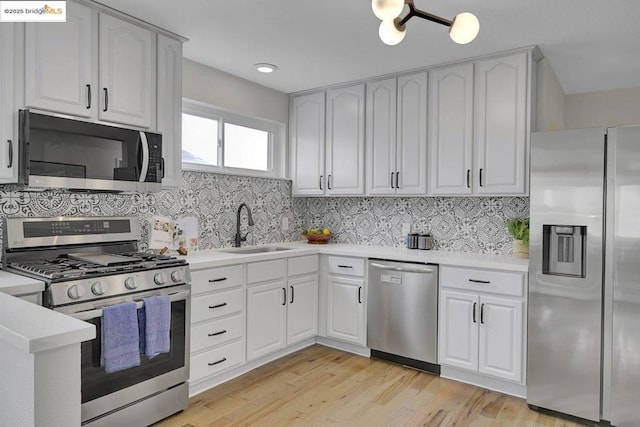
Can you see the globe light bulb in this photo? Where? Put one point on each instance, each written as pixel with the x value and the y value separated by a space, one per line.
pixel 387 9
pixel 389 33
pixel 464 28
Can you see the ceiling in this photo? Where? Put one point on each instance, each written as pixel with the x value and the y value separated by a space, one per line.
pixel 591 44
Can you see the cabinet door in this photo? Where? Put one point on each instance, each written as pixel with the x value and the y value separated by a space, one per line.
pixel 307 144
pixel 266 319
pixel 345 141
pixel 345 309
pixel 501 125
pixel 458 330
pixel 501 338
pixel 8 143
pixel 169 109
pixel 411 138
pixel 450 130
pixel 302 311
pixel 127 73
pixel 61 61
pixel 381 136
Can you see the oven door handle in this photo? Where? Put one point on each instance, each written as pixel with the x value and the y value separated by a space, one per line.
pixel 92 314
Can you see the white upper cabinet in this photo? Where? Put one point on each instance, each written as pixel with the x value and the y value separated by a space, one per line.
pixel 8 142
pixel 61 63
pixel 307 144
pixel 381 136
pixel 345 141
pixel 451 130
pixel 92 66
pixel 411 140
pixel 127 73
pixel 501 124
pixel 478 127
pixel 397 135
pixel 327 142
pixel 169 110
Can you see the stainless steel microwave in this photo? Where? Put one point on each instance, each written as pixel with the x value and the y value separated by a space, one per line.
pixel 57 152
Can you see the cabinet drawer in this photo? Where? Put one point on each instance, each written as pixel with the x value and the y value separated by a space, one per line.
pixel 483 280
pixel 216 305
pixel 265 271
pixel 302 265
pixel 216 332
pixel 217 360
pixel 347 266
pixel 216 278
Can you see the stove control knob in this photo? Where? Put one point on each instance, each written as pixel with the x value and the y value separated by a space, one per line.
pixel 176 276
pixel 98 288
pixel 160 279
pixel 130 284
pixel 75 292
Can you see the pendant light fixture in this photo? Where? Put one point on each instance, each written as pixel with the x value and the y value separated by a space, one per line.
pixel 463 28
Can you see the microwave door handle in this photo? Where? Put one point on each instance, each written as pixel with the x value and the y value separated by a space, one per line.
pixel 97 312
pixel 145 157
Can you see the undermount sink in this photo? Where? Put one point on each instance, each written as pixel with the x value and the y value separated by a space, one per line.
pixel 254 250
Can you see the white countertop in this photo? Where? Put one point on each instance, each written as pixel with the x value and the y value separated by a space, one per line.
pixel 14 284
pixel 33 328
pixel 215 258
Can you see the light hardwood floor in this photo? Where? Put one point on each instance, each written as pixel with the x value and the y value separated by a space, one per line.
pixel 320 386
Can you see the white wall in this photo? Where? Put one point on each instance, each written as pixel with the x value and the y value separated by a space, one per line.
pixel 550 99
pixel 214 87
pixel 604 108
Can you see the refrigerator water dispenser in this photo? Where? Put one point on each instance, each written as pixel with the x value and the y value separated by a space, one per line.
pixel 564 250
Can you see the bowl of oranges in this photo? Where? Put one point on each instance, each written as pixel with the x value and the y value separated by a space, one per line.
pixel 317 236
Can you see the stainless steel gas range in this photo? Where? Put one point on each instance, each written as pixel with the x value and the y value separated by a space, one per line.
pixel 89 264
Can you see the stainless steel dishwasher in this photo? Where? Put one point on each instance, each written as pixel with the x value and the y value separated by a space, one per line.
pixel 402 313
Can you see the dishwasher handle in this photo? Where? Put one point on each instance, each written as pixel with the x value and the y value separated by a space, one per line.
pixel 403 269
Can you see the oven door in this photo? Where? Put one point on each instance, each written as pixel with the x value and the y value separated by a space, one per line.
pixel 103 392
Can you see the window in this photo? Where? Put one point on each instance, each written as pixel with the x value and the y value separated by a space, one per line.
pixel 218 141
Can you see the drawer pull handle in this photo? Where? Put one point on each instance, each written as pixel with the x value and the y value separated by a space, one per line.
pixel 218 305
pixel 345 266
pixel 484 282
pixel 221 279
pixel 215 334
pixel 217 362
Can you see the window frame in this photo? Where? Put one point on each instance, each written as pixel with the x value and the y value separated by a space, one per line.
pixel 275 149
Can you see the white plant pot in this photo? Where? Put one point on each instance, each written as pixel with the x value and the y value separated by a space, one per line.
pixel 520 249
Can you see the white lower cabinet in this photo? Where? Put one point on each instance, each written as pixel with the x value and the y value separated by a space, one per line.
pixel 345 300
pixel 302 308
pixel 217 321
pixel 283 311
pixel 481 322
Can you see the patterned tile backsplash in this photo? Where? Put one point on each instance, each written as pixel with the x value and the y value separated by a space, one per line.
pixel 457 223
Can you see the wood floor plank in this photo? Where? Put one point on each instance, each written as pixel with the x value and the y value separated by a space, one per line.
pixel 321 386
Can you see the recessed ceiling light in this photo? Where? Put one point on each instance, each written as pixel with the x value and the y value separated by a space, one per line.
pixel 265 68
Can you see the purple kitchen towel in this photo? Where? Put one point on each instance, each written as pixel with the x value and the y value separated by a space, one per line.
pixel 157 314
pixel 120 339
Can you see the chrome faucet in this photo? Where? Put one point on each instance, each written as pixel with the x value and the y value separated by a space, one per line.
pixel 239 237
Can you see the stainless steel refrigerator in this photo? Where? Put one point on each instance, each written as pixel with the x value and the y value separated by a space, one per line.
pixel 583 351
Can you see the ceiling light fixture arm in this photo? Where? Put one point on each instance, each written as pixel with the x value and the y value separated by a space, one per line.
pixel 413 11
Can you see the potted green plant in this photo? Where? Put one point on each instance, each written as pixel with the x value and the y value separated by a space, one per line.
pixel 519 229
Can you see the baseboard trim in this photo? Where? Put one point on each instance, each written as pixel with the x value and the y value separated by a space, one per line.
pixel 495 384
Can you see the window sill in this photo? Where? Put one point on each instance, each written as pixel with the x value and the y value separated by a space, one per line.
pixel 190 167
